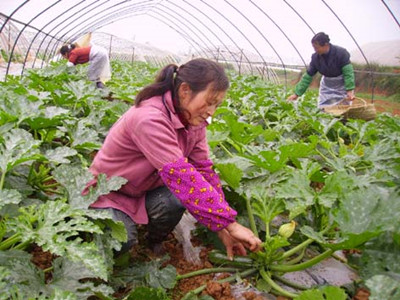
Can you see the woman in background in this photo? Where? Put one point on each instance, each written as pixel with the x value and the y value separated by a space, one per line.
pixel 333 62
pixel 99 70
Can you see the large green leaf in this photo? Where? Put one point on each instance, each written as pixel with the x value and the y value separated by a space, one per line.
pixel 297 193
pixel 384 288
pixel 50 116
pixel 372 209
pixel 56 227
pixel 148 293
pixel 84 137
pixel 9 197
pixel 72 276
pixel 325 293
pixel 17 147
pixel 59 155
pixel 162 278
pixel 380 256
pixel 230 173
pixel 75 179
pixel 337 185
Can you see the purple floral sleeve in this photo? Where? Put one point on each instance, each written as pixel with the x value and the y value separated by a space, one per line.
pixel 197 194
pixel 205 168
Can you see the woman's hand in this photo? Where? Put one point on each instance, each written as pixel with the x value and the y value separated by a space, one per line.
pixel 293 97
pixel 350 95
pixel 237 238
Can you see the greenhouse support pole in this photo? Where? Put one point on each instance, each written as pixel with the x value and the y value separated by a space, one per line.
pixel 240 61
pixel 109 50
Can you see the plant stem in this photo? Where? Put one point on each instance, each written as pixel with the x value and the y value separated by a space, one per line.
pixel 290 283
pixel 205 271
pixel 22 246
pixel 3 177
pixel 251 217
pixel 265 275
pixel 297 258
pixel 8 243
pixel 304 265
pixel 226 150
pixel 48 269
pixel 297 248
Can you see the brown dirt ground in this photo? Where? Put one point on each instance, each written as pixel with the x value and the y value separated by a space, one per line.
pixel 217 290
pixel 386 106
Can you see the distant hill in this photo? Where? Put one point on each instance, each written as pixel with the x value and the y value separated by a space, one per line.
pixel 385 53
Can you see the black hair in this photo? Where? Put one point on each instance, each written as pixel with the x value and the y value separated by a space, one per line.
pixel 321 39
pixel 67 48
pixel 197 73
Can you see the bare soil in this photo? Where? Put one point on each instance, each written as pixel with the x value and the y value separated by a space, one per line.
pixel 386 106
pixel 219 291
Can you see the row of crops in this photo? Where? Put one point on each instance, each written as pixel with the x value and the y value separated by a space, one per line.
pixel 337 180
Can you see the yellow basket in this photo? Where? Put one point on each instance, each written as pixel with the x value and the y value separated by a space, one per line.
pixel 359 109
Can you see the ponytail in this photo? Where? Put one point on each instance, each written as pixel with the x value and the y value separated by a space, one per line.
pixel 164 82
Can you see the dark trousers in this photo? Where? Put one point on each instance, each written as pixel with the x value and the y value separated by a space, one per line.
pixel 164 211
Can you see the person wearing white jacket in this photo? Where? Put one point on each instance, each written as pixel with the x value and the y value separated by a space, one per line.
pixel 99 70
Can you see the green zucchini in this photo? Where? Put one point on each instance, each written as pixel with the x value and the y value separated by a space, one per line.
pixel 217 257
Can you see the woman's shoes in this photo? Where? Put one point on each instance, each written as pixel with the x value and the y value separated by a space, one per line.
pixel 100 85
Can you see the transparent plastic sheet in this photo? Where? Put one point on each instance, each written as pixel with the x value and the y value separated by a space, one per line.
pixel 240 288
pixel 182 233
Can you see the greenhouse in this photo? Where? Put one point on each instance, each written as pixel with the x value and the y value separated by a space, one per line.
pixel 198 150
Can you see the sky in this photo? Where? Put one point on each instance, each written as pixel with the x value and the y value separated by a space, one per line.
pixel 236 23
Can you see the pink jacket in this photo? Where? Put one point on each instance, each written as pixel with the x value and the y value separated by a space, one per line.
pixel 140 143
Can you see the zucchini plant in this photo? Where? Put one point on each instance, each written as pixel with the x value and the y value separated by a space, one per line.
pixel 331 182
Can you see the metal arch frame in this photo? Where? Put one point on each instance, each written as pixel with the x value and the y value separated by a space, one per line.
pixel 281 30
pixel 10 16
pixel 205 36
pixel 127 11
pixel 255 27
pixel 55 27
pixel 219 39
pixel 390 11
pixel 77 18
pixel 241 50
pixel 226 47
pixel 297 13
pixel 348 31
pixel 185 37
pixel 47 35
pixel 201 48
pixel 99 24
pixel 178 31
pixel 192 6
pixel 78 32
pixel 23 29
pixel 197 19
pixel 41 30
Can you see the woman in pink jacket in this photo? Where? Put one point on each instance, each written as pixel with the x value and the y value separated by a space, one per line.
pixel 159 145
